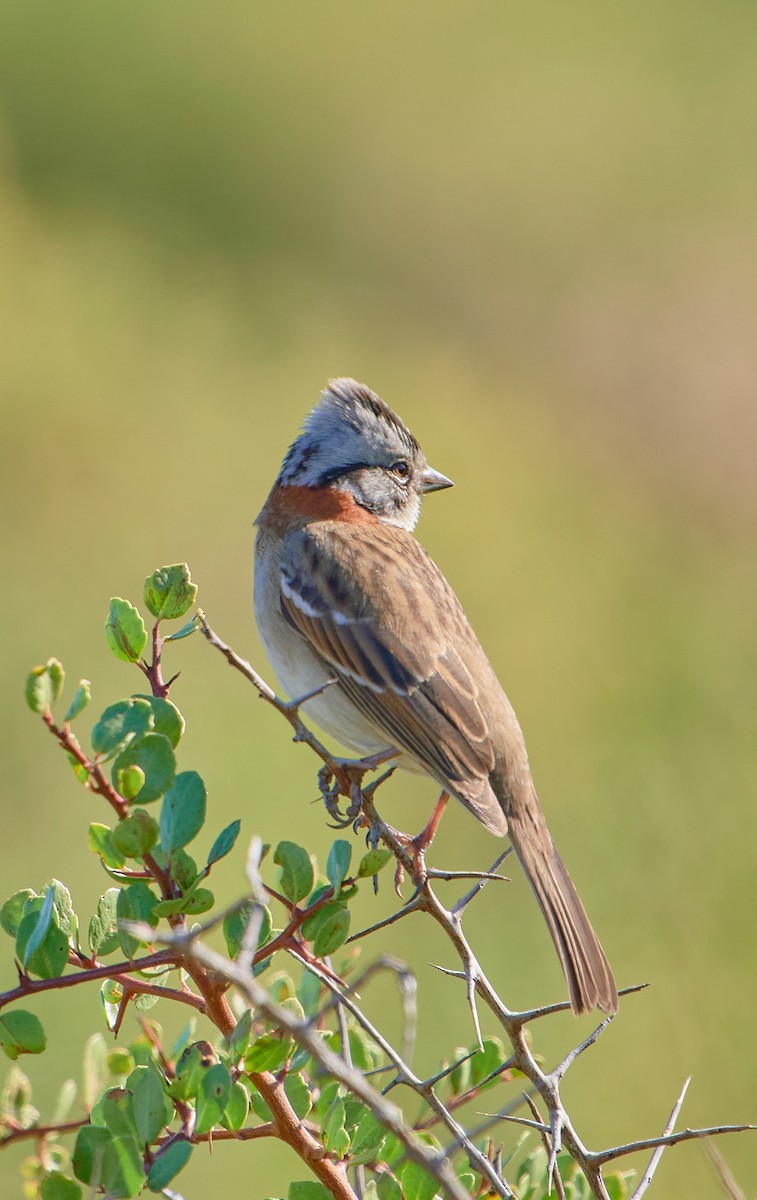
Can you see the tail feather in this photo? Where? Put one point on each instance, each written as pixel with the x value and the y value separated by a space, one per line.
pixel 587 971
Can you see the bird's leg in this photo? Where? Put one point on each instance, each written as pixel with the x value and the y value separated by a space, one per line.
pixel 420 844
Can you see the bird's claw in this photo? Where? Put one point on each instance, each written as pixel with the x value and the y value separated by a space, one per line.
pixel 334 784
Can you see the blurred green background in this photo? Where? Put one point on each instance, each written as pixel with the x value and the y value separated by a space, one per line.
pixel 532 229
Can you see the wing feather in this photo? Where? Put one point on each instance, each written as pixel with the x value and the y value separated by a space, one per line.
pixel 380 613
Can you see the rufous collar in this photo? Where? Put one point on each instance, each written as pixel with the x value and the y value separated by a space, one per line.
pixel 291 507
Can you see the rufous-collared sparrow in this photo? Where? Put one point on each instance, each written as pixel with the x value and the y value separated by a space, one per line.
pixel 344 591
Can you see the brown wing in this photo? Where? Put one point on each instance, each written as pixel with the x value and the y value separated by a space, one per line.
pixel 376 608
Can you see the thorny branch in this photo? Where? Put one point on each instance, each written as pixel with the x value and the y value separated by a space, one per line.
pixel 558 1129
pixel 212 988
pixel 306 1036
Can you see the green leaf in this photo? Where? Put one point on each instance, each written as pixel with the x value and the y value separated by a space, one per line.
pixel 81 772
pixel 136 835
pixel 95 1069
pixel 194 902
pixel 169 908
pixel 65 1101
pixel 169 592
pixel 201 901
pixel 103 928
pixel 335 1136
pixel 235 924
pixel 182 813
pixel 417 1184
pixel 88 1159
pixel 21 1032
pixel 117 1109
pixel 130 782
pixel 182 1040
pixel 259 1106
pixel 212 1098
pixel 154 754
pixel 120 721
pixel 194 1062
pixel 388 1188
pixel 111 995
pixel 144 1002
pixel 237 1108
pixel 180 865
pixel 39 690
pixel 616 1185
pixel 125 630
pixel 239 1038
pixel 167 1164
pixel 307 1189
pixel 328 1093
pixel 64 909
pixel 309 992
pixel 100 839
pixel 43 685
pixel 185 630
pixel 296 870
pixel 313 923
pixel 39 929
pixel 291 1005
pixel 487 1060
pixel 57 1186
pixel 149 1106
pixel 367 1139
pixel 268 1053
pixel 460 1076
pixel 372 862
pixel 57 676
pixel 135 903
pixel 81 699
pixel 365 1053
pixel 338 864
pixel 120 1062
pixel 298 1094
pixel 329 929
pixel 224 843
pixel 166 718
pixel 124 1174
pixel 13 910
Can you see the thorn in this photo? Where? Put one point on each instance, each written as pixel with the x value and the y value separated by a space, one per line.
pixel 480 884
pixel 369 791
pixel 397 916
pixel 295 705
pixel 556 1178
pixel 569 1059
pixel 555 1125
pixel 434 1079
pixel 470 990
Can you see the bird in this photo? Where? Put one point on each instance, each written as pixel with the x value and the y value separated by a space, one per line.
pixel 353 613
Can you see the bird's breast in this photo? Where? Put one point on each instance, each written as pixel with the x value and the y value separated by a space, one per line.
pixel 298 668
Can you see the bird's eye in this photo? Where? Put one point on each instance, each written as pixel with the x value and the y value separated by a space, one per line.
pixel 401 469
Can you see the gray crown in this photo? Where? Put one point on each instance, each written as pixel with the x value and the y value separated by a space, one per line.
pixel 350 427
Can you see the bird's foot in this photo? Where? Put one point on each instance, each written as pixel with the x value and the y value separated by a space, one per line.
pixel 344 777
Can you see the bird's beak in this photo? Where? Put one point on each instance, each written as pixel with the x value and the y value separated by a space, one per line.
pixel 434 481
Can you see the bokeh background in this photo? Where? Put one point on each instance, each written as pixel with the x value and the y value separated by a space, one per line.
pixel 532 228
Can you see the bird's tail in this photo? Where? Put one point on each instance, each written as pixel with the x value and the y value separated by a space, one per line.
pixel 587 971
